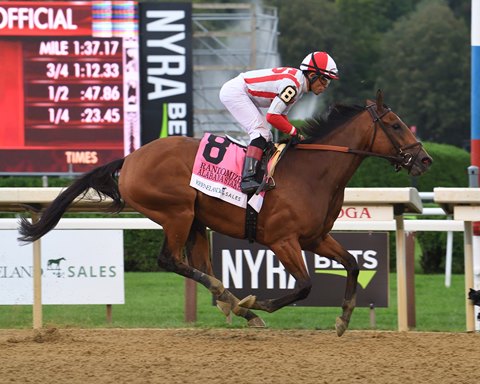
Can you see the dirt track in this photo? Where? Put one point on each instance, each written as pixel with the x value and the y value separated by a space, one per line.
pixel 236 356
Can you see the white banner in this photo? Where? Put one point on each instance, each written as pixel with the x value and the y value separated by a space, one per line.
pixel 78 267
pixel 366 213
pixel 475 22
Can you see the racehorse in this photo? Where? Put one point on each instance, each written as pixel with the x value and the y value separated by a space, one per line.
pixel 298 214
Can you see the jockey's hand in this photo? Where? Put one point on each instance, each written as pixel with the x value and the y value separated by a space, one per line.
pixel 297 138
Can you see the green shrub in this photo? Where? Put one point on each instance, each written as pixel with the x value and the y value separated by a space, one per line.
pixel 449 169
pixel 434 248
pixel 25 181
pixel 141 248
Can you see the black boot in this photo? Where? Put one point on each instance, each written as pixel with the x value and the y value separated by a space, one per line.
pixel 249 184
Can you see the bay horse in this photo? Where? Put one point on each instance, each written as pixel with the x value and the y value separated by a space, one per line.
pixel 298 214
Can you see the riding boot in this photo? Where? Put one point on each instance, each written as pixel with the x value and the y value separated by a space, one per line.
pixel 249 184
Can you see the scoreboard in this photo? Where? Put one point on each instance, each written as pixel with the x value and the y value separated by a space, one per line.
pixel 69 77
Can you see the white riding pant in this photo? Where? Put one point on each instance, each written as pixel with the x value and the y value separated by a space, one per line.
pixel 234 97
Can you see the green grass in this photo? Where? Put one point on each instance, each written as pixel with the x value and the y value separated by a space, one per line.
pixel 156 300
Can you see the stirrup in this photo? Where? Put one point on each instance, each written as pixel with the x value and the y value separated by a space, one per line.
pixel 249 185
pixel 268 183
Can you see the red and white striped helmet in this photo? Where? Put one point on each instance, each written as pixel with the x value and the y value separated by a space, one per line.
pixel 320 63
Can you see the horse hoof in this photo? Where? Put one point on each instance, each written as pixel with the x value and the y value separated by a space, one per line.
pixel 256 322
pixel 340 326
pixel 225 308
pixel 248 301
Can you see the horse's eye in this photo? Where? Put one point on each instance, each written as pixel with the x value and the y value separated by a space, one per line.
pixel 396 126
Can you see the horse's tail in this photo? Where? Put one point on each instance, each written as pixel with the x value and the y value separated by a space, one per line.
pixel 101 180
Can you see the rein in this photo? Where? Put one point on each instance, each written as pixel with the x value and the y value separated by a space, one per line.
pixel 402 159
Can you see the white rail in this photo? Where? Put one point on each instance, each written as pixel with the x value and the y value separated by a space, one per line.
pixel 390 205
pixel 142 223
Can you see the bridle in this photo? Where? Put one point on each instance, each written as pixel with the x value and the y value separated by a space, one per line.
pixel 401 160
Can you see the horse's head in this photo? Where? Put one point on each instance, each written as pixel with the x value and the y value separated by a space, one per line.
pixel 394 139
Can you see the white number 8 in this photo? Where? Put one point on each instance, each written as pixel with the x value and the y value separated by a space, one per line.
pixel 288 94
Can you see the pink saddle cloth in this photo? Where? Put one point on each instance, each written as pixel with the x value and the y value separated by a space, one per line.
pixel 217 171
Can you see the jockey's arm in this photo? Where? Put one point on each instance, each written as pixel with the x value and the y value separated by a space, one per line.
pixel 277 116
pixel 282 123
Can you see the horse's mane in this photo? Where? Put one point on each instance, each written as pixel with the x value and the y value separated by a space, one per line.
pixel 320 125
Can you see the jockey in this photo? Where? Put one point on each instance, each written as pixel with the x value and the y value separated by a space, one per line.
pixel 276 89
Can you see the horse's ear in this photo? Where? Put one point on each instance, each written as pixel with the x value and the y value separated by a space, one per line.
pixel 379 101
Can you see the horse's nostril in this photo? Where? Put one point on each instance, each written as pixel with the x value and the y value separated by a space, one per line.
pixel 427 160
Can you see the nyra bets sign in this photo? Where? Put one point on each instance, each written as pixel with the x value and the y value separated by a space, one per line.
pixel 77 268
pixel 166 69
pixel 248 269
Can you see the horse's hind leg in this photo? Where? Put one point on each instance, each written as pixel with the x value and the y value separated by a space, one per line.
pixel 290 254
pixel 197 249
pixel 330 248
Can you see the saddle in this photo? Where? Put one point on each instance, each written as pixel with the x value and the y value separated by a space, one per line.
pixel 217 168
pixel 270 158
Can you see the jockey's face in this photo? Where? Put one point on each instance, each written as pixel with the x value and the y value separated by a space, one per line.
pixel 320 84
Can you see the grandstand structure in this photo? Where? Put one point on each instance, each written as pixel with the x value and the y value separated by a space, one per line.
pixel 228 39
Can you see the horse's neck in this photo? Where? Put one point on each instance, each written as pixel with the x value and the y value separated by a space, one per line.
pixel 353 136
pixel 356 134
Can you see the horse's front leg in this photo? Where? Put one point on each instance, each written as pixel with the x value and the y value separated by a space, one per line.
pixel 330 248
pixel 289 253
pixel 197 250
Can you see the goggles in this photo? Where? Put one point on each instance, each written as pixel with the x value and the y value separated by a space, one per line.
pixel 324 80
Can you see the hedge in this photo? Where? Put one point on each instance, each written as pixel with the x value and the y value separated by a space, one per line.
pixel 449 169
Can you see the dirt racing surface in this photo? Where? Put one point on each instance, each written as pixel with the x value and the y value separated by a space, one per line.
pixel 236 356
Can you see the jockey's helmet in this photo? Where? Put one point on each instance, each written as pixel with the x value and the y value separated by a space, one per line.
pixel 321 63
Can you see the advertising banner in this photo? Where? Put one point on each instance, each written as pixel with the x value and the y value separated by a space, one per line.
pixel 77 268
pixel 166 70
pixel 70 85
pixel 253 269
